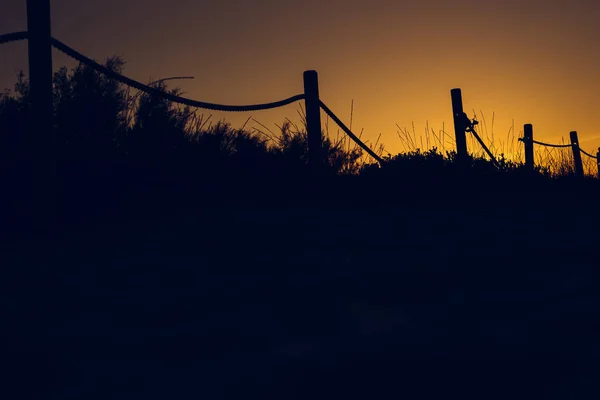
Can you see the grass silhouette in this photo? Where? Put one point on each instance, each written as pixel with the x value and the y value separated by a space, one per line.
pixel 199 260
pixel 109 138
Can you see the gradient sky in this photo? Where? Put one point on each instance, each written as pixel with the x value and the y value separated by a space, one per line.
pixel 532 61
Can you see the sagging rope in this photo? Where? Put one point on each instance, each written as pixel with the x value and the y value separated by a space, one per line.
pixel 547 144
pixel 588 154
pixel 182 100
pixel 13 37
pixel 560 146
pixel 156 92
pixel 349 133
pixel 552 145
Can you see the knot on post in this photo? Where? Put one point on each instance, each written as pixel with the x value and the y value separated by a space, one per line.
pixel 528 143
pixel 469 125
pixel 460 127
pixel 576 154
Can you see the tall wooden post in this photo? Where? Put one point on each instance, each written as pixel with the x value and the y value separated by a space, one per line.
pixel 528 142
pixel 40 66
pixel 576 155
pixel 598 161
pixel 313 118
pixel 40 150
pixel 459 123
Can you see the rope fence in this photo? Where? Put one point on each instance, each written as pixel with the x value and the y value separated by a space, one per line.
pixel 552 159
pixel 556 160
pixel 200 104
pixel 548 144
pixel 562 163
pixel 13 37
pixel 313 106
pixel 591 166
pixel 485 148
pixel 40 43
pixel 314 132
pixel 588 154
pixel 168 96
pixel 350 134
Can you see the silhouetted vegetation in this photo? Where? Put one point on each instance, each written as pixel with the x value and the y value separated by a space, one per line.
pixel 110 138
pixel 114 143
pixel 424 276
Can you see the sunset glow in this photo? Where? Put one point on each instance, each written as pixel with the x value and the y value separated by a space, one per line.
pixel 395 198
pixel 528 61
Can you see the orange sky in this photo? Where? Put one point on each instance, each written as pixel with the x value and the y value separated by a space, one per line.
pixel 532 61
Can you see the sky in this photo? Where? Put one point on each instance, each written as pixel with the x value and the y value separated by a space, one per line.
pixel 526 61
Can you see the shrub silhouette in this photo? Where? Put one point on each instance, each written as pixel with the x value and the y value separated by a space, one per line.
pixel 90 112
pixel 293 145
pixel 109 138
pixel 14 114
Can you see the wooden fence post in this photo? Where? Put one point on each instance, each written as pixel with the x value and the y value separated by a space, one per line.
pixel 598 161
pixel 576 155
pixel 40 67
pixel 459 124
pixel 313 118
pixel 40 145
pixel 528 142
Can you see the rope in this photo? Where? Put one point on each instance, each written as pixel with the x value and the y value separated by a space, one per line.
pixel 153 91
pixel 561 145
pixel 588 154
pixel 489 153
pixel 547 144
pixel 552 145
pixel 13 37
pixel 349 133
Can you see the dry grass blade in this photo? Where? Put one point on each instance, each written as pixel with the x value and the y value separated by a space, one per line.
pixel 246 123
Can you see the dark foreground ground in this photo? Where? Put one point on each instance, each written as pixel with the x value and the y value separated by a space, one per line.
pixel 423 295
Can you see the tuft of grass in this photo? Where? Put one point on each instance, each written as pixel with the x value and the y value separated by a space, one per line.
pixel 554 162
